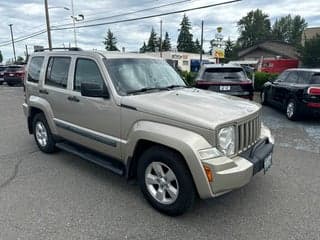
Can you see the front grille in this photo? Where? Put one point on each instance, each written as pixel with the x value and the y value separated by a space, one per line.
pixel 248 133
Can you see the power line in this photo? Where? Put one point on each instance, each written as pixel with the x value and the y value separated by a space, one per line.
pixel 149 16
pixel 128 13
pixel 25 38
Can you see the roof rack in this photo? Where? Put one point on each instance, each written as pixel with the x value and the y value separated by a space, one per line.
pixel 66 49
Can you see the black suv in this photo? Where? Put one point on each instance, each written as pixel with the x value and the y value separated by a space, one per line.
pixel 297 91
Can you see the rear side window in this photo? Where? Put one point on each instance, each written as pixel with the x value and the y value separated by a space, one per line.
pixel 224 74
pixel 34 69
pixel 304 77
pixel 57 71
pixel 87 71
pixel 315 79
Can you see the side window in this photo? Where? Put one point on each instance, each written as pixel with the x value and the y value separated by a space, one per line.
pixel 304 77
pixel 57 72
pixel 282 77
pixel 34 69
pixel 87 71
pixel 292 78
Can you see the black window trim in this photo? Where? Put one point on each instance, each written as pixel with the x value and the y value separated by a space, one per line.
pixel 48 65
pixel 75 70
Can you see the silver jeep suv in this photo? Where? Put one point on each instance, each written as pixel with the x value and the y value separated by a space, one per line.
pixel 135 116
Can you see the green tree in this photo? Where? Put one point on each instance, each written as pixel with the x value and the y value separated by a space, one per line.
pixel 289 29
pixel 310 52
pixel 185 43
pixel 1 57
pixel 143 49
pixel 253 28
pixel 110 42
pixel 166 45
pixel 20 59
pixel 197 46
pixel 153 42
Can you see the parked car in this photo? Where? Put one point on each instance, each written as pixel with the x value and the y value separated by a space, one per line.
pixel 2 69
pixel 225 78
pixel 297 91
pixel 134 115
pixel 14 75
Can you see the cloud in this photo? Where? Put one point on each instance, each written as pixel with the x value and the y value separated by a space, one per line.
pixel 28 17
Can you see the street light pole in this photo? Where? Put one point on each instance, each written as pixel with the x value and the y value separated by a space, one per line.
pixel 201 44
pixel 74 25
pixel 48 24
pixel 14 49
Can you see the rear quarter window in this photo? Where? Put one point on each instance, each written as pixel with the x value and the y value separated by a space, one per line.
pixel 35 69
pixel 315 79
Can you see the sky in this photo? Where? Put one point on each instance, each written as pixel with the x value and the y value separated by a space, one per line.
pixel 27 17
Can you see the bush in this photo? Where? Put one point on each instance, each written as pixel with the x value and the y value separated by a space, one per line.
pixel 261 78
pixel 189 77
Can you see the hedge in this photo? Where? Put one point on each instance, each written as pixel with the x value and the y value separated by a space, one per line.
pixel 261 78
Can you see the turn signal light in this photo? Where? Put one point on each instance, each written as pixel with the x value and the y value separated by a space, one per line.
pixel 208 173
pixel 314 91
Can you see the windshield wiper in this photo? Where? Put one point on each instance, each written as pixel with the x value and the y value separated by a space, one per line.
pixel 145 90
pixel 174 86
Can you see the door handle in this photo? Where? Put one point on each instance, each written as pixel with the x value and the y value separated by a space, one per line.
pixel 43 91
pixel 73 99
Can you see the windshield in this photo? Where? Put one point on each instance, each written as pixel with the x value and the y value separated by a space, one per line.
pixel 224 75
pixel 133 74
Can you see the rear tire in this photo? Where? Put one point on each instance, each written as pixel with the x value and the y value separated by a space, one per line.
pixel 165 181
pixel 42 134
pixel 10 84
pixel 292 110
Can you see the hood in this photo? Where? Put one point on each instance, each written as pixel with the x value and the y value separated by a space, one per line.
pixel 193 106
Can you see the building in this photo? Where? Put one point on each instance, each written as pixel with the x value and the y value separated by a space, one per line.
pixel 183 60
pixel 269 49
pixel 309 33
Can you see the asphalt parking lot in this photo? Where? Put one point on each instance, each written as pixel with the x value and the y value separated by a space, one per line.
pixel 60 196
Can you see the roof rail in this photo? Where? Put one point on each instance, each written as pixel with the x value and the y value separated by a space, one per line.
pixel 62 48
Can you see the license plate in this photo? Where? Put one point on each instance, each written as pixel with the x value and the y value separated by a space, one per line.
pixel 11 74
pixel 267 163
pixel 225 88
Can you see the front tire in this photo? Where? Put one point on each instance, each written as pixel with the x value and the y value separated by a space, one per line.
pixel 42 134
pixel 292 110
pixel 165 181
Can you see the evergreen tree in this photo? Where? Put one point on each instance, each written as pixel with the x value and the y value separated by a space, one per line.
pixel 143 49
pixel 197 47
pixel 152 42
pixel 110 42
pixel 185 43
pixel 1 57
pixel 166 45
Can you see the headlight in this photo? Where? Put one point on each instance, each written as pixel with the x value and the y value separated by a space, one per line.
pixel 226 140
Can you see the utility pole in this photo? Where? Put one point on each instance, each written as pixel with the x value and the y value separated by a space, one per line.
pixel 161 38
pixel 48 24
pixel 14 49
pixel 74 25
pixel 201 44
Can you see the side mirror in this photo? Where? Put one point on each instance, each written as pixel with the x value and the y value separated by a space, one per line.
pixel 94 90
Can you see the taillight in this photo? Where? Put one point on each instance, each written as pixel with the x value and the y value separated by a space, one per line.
pixel 313 91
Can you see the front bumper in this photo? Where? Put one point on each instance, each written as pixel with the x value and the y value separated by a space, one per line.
pixel 234 173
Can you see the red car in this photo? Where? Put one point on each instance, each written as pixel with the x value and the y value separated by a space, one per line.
pixel 14 74
pixel 225 78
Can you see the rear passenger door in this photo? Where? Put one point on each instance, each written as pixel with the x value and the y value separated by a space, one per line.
pixel 54 88
pixel 91 121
